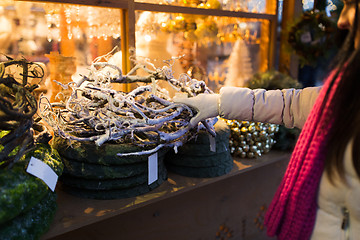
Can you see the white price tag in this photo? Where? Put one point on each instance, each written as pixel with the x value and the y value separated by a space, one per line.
pixel 212 143
pixel 152 168
pixel 43 171
pixel 305 37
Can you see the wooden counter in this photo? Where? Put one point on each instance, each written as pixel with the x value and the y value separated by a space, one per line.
pixel 226 207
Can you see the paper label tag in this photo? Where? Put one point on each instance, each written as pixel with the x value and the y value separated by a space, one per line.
pixel 152 168
pixel 212 143
pixel 43 171
pixel 305 37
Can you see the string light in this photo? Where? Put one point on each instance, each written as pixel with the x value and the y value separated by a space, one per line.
pixel 99 22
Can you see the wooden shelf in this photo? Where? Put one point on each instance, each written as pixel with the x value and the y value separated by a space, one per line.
pixel 96 3
pixel 79 218
pixel 200 11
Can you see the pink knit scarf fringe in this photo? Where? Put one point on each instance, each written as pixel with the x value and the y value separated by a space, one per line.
pixel 291 214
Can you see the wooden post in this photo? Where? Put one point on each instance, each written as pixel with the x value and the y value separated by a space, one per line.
pixel 288 63
pixel 127 38
pixel 268 38
pixel 264 46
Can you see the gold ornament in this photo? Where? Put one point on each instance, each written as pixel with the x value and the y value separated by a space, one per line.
pixel 251 139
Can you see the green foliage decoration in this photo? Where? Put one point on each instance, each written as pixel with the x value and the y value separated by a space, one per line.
pixel 312 36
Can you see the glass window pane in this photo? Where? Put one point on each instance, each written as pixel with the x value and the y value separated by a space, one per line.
pixel 65 38
pixel 219 50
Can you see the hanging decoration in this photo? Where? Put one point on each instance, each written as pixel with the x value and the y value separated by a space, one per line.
pixel 311 36
pixel 79 21
pixel 202 29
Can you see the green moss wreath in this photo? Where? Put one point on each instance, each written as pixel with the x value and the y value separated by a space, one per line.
pixel 311 36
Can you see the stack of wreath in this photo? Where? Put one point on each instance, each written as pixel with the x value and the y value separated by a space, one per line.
pixel 27 205
pixel 203 156
pixel 93 171
pixel 107 137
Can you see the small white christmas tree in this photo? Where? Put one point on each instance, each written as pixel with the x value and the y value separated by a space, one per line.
pixel 239 65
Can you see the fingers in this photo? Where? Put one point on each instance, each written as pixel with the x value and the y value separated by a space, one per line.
pixel 187 101
pixel 195 120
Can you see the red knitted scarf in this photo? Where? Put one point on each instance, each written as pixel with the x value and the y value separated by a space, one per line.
pixel 291 214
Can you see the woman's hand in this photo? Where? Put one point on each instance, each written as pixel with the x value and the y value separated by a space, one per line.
pixel 206 105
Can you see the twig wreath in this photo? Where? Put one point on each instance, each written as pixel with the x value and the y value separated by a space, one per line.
pixel 145 117
pixel 18 129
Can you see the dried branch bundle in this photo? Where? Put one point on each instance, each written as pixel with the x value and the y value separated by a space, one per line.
pixel 145 117
pixel 17 108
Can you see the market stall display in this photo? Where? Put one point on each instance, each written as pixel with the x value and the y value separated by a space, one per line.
pixel 104 157
pixel 103 134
